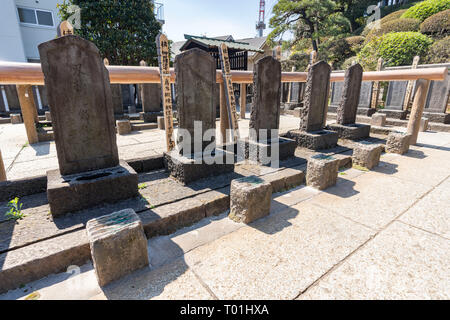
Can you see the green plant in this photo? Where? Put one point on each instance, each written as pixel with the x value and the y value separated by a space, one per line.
pixel 15 209
pixel 396 25
pixel 425 9
pixel 437 25
pixel 355 43
pixel 142 186
pixel 392 16
pixel 348 62
pixel 439 51
pixel 396 48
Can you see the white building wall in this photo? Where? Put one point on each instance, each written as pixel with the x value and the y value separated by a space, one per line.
pixel 11 46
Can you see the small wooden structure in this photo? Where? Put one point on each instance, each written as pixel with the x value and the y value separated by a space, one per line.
pixel 237 51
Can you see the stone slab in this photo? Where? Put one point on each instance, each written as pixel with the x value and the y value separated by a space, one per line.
pixel 262 151
pixel 353 131
pixel 395 114
pixel 438 117
pixel 150 116
pixel 315 140
pixel 322 171
pixel 71 193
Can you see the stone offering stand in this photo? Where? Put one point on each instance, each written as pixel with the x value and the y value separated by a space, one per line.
pixel 89 165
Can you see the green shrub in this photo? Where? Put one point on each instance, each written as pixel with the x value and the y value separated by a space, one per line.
pixel 426 9
pixel 335 51
pixel 355 43
pixel 437 25
pixel 392 16
pixel 348 62
pixel 439 51
pixel 396 25
pixel 396 48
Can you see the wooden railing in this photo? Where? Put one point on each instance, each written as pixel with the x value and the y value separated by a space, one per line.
pixel 31 74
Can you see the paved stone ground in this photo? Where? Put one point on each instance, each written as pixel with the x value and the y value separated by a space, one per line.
pixel 383 234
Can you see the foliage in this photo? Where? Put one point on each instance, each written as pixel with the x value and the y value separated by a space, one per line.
pixel 396 25
pixel 396 48
pixel 299 60
pixel 439 52
pixel 437 25
pixel 123 31
pixel 427 8
pixel 15 209
pixel 335 51
pixel 355 42
pixel 348 62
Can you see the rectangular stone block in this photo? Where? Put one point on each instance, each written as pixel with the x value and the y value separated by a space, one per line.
pixel 378 119
pixel 70 193
pixel 423 124
pixel 438 117
pixel 353 131
pixel 322 171
pixel 123 127
pixel 118 245
pixel 367 154
pixel 394 114
pixel 150 116
pixel 250 199
pixel 397 142
pixel 258 151
pixel 186 170
pixel 368 112
pixel 316 140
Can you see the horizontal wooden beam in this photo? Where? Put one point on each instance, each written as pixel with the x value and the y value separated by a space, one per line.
pixel 31 73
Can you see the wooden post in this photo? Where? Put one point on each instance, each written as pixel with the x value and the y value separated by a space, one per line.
pixel 376 86
pixel 415 117
pixel 29 112
pixel 224 123
pixel 290 88
pixel 410 85
pixel 243 99
pixel 2 169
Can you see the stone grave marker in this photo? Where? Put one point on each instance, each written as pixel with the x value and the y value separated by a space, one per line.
pixel 116 92
pixel 395 100
pixel 150 94
pixel 437 101
pixel 80 101
pixel 365 96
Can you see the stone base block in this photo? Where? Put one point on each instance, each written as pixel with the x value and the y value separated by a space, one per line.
pixel 351 131
pixel 262 151
pixel 322 171
pixel 131 109
pixel 367 154
pixel 332 109
pixel 437 117
pixel 423 124
pixel 394 114
pixel 16 118
pixel 378 119
pixel 83 190
pixel 316 140
pixel 368 112
pixel 161 123
pixel 249 199
pixel 150 116
pixel 397 142
pixel 48 116
pixel 291 105
pixel 188 169
pixel 118 245
pixel 123 126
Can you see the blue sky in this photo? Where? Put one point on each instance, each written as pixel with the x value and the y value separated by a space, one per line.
pixel 212 17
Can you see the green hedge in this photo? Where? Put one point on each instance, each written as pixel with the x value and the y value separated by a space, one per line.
pixel 437 25
pixel 392 16
pixel 396 48
pixel 439 51
pixel 397 25
pixel 426 9
pixel 348 62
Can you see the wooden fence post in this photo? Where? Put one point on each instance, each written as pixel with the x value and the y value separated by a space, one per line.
pixel 415 117
pixel 224 123
pixel 410 85
pixel 243 99
pixel 29 112
pixel 2 169
pixel 376 86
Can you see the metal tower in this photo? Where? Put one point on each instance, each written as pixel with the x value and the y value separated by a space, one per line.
pixel 260 25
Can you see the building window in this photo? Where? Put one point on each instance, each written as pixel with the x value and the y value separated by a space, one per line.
pixel 35 16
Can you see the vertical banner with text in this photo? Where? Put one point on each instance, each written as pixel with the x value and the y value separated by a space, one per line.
pixel 164 69
pixel 229 93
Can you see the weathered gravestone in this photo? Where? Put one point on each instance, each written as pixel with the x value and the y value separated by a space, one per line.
pixel 80 101
pixel 395 99
pixel 365 97
pixel 296 96
pixel 150 94
pixel 116 92
pixel 12 97
pixel 265 115
pixel 195 88
pixel 345 124
pixel 127 95
pixel 437 100
pixel 313 113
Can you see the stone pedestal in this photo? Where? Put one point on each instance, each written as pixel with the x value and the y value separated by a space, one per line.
pixel 291 105
pixel 48 116
pixel 260 151
pixel 423 124
pixel 249 199
pixel 394 114
pixel 16 118
pixel 161 123
pixel 351 131
pixel 368 112
pixel 367 154
pixel 332 109
pixel 322 171
pixel 378 119
pixel 397 142
pixel 123 127
pixel 131 109
pixel 70 193
pixel 150 116
pixel 118 245
pixel 438 117
pixel 186 169
pixel 315 140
